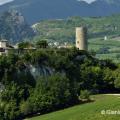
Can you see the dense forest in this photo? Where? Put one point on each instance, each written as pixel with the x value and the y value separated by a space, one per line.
pixel 45 80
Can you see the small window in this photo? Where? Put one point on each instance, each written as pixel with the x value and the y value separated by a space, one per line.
pixel 77 42
pixel 2 50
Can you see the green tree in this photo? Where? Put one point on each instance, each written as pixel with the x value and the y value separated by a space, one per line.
pixel 41 44
pixel 23 45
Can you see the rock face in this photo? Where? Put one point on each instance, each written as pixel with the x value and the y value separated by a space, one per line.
pixel 14 28
pixel 37 71
pixel 32 72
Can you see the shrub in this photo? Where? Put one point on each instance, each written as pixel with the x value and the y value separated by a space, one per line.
pixel 26 108
pixel 84 95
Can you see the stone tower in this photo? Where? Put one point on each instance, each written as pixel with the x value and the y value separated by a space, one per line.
pixel 81 38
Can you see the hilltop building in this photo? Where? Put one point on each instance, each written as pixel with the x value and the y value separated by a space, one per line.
pixel 4 47
pixel 105 38
pixel 81 38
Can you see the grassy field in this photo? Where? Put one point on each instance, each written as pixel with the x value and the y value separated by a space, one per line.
pixel 88 111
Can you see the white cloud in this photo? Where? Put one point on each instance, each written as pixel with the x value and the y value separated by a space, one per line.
pixel 88 1
pixel 5 1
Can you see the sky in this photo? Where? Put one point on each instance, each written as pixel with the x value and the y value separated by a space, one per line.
pixel 7 1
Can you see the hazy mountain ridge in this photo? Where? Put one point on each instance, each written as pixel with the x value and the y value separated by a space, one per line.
pixel 36 10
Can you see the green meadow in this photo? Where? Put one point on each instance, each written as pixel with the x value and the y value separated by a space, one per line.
pixel 87 111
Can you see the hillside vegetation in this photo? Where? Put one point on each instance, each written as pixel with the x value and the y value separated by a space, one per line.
pixel 63 30
pixel 47 80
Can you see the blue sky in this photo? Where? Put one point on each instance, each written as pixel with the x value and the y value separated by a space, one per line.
pixel 6 1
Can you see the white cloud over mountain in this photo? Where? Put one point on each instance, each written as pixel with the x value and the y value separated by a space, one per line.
pixel 5 1
pixel 88 1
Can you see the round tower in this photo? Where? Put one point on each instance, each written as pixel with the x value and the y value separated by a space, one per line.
pixel 81 38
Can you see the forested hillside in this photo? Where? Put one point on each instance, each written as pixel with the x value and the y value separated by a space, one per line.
pixel 46 80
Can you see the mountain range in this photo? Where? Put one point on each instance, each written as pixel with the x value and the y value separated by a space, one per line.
pixel 36 10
